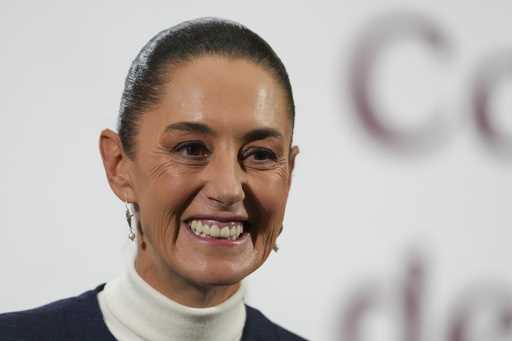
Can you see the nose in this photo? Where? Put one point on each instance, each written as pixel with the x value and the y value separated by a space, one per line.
pixel 225 179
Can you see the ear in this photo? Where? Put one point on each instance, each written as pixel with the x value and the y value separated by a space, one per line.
pixel 117 166
pixel 294 151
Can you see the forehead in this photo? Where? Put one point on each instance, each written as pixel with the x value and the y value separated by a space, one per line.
pixel 224 93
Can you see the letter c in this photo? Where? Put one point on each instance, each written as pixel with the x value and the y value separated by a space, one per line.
pixel 382 33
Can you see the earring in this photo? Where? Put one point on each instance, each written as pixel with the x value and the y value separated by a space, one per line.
pixel 275 247
pixel 129 216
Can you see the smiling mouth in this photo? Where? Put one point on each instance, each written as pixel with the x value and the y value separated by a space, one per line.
pixel 211 229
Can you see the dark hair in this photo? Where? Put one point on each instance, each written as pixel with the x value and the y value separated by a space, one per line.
pixel 182 43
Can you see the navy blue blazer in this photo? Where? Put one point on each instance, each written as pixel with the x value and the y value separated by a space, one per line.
pixel 79 318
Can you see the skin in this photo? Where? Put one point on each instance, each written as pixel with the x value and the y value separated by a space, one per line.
pixel 219 144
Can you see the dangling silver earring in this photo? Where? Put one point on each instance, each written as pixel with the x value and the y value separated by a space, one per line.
pixel 275 247
pixel 129 217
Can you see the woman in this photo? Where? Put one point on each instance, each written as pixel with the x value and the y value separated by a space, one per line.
pixel 203 160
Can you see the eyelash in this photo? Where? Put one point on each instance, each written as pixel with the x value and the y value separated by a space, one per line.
pixel 184 145
pixel 251 152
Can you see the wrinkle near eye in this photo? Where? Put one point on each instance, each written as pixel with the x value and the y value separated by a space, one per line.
pixel 282 170
pixel 159 170
pixel 167 158
pixel 278 168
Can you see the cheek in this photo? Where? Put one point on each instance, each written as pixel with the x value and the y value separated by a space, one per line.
pixel 164 198
pixel 271 192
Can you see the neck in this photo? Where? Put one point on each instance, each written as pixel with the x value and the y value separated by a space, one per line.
pixel 133 310
pixel 179 289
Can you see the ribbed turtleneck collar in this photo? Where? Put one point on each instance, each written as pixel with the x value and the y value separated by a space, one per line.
pixel 133 310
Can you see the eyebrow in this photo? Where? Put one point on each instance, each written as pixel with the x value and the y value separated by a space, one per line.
pixel 195 127
pixel 261 134
pixel 191 127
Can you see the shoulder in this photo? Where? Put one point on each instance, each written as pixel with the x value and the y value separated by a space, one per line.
pixel 259 327
pixel 73 318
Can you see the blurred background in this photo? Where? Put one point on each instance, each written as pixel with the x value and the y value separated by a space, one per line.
pixel 398 225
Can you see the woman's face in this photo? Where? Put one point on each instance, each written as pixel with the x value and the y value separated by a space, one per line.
pixel 213 158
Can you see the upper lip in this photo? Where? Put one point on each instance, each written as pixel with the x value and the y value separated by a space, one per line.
pixel 224 217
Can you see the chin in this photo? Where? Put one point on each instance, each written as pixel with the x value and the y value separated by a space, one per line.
pixel 220 275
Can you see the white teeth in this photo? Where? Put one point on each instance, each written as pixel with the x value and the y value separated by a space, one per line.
pixel 224 233
pixel 194 226
pixel 214 231
pixel 235 231
pixel 232 232
pixel 206 229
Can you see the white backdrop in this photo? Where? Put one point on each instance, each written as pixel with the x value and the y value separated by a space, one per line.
pixel 359 212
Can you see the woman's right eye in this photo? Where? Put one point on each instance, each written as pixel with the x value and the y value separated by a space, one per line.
pixel 192 150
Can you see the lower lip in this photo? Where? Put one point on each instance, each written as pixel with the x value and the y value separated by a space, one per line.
pixel 219 242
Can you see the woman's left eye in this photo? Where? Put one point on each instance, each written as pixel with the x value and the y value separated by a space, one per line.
pixel 261 154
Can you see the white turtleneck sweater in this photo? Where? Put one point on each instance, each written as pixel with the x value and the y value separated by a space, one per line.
pixel 135 311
